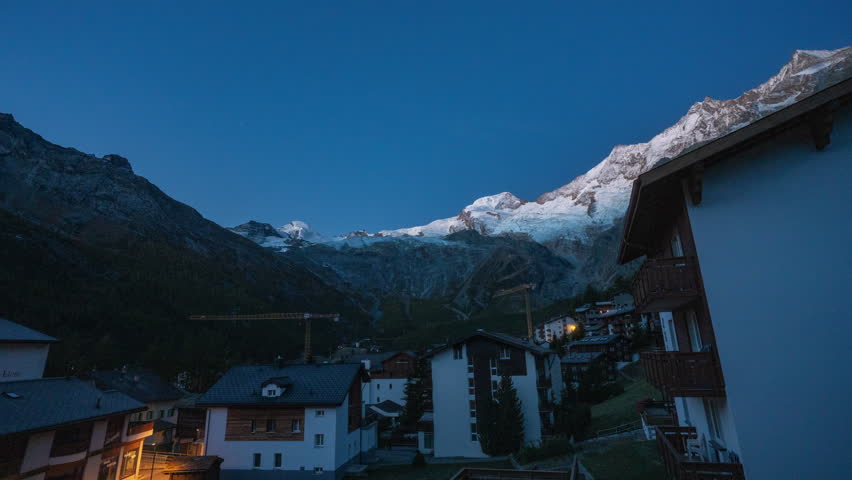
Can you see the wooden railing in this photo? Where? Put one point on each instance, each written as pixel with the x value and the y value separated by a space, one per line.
pixel 665 284
pixel 672 444
pixel 135 428
pixel 685 374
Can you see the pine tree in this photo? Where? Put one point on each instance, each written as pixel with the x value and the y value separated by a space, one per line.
pixel 416 395
pixel 510 418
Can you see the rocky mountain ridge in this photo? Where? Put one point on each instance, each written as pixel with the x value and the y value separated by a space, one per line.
pixel 578 223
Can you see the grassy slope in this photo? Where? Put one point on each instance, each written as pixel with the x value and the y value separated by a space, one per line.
pixel 626 461
pixel 437 471
pixel 622 409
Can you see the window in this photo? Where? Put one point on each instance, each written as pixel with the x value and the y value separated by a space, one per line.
pixel 494 387
pixel 470 365
pixel 319 440
pixel 296 425
pixel 378 386
pixel 471 390
pixel 277 460
pixel 457 352
pixel 171 412
pixel 320 413
pixel 677 246
pixel 270 425
pixel 253 426
pixel 712 414
pixel 492 365
pixel 390 386
pixel 149 415
pixel 128 466
pixel 694 334
pixel 428 440
pixel 378 399
pixel 505 353
pixel 270 392
pixel 318 470
pixel 256 461
pixel 473 436
pixel 162 413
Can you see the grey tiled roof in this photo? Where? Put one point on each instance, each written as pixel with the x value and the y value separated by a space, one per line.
pixel 143 385
pixel 580 357
pixel 498 337
pixel 11 332
pixel 596 340
pixel 320 384
pixel 49 402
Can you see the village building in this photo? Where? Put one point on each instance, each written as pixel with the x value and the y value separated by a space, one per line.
pixel 553 329
pixel 302 420
pixel 576 364
pixel 159 396
pixel 23 351
pixel 389 372
pixel 614 347
pixel 746 249
pixel 467 372
pixel 191 425
pixel 61 428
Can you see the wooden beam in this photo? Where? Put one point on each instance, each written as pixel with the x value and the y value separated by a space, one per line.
pixel 695 182
pixel 821 122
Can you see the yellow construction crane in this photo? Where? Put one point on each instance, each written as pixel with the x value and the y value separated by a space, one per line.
pixel 307 317
pixel 524 287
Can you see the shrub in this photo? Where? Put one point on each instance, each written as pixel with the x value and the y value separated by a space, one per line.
pixel 419 460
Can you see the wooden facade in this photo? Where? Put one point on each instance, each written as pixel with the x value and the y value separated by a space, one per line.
pixel 400 365
pixel 250 424
pixel 685 374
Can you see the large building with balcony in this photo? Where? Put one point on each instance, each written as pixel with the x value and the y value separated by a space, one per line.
pixel 299 421
pixel 61 428
pixel 466 373
pixel 746 251
pixel 159 396
pixel 389 372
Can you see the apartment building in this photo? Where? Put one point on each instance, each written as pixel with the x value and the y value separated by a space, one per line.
pixel 304 420
pixel 61 428
pixel 746 239
pixel 555 328
pixel 159 396
pixel 389 372
pixel 467 372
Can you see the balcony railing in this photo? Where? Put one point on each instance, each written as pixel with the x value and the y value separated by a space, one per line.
pixel 685 374
pixel 672 442
pixel 135 428
pixel 666 284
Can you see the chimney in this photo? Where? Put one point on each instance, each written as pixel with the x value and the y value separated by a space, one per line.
pixel 279 362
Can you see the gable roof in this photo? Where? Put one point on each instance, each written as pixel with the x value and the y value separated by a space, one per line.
pixel 580 357
pixel 47 403
pixel 655 193
pixel 316 384
pixel 497 337
pixel 595 340
pixel 11 332
pixel 143 385
pixel 376 359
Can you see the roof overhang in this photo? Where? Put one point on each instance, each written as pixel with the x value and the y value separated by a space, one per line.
pixel 655 196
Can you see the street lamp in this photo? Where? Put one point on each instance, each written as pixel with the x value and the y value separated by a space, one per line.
pixel 153 460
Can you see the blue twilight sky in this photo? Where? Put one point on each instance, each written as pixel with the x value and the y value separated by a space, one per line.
pixel 362 114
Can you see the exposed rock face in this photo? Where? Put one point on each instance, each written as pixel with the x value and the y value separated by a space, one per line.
pixel 101 202
pixel 578 223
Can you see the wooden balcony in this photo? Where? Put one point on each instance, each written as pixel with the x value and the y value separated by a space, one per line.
pixel 136 428
pixel 685 374
pixel 666 284
pixel 672 442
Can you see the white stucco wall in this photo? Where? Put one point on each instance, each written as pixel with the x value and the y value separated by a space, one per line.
pixel 22 361
pixel 380 389
pixel 38 451
pixel 773 237
pixel 528 394
pixel 239 455
pixel 451 404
